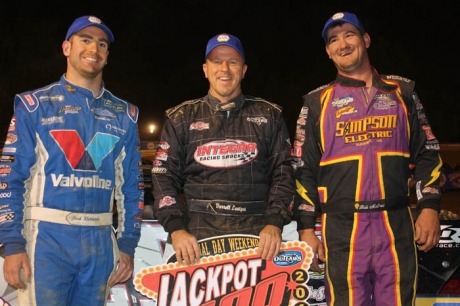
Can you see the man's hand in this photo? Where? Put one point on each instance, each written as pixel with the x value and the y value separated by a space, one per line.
pixel 309 236
pixel 427 229
pixel 186 247
pixel 12 270
pixel 269 242
pixel 124 270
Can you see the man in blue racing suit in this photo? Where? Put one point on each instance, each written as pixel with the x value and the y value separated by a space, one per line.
pixel 71 151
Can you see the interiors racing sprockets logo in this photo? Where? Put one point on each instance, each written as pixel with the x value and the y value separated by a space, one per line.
pixel 226 153
pixel 450 237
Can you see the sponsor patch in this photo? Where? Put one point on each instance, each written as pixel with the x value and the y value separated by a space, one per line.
pixel 164 145
pixel 115 106
pixel 73 181
pixel 226 153
pixel 132 110
pixel 70 109
pixel 306 207
pixel 6 217
pixel 115 129
pixel 433 147
pixel 383 102
pixel 103 114
pixel 347 110
pixel 418 191
pixel 167 201
pixel 10 139
pixel 29 100
pixel 3 185
pixel 430 190
pixel 303 112
pixel 70 88
pixel 7 159
pixel 5 170
pixel 397 77
pixel 5 195
pixel 52 99
pixel 296 151
pixel 12 126
pixel 227 106
pixel 428 132
pixel 199 126
pixel 83 158
pixel 257 120
pixel 9 150
pixel 161 155
pixel 159 170
pixel 342 102
pixel 52 120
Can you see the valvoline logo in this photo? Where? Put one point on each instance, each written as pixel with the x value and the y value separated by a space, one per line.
pixel 79 157
pixel 288 258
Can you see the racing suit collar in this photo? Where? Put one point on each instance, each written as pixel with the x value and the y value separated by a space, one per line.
pixel 72 88
pixel 376 82
pixel 216 105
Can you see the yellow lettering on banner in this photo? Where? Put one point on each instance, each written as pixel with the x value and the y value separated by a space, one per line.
pixel 204 249
pixel 218 246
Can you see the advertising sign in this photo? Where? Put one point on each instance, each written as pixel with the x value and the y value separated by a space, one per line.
pixel 230 271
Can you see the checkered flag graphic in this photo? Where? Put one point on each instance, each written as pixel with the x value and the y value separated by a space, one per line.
pixel 246 156
pixel 6 217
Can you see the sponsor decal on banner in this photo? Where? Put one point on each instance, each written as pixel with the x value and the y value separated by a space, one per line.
pixel 230 271
pixel 437 301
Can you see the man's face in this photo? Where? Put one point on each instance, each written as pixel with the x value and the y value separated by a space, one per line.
pixel 224 68
pixel 347 48
pixel 87 52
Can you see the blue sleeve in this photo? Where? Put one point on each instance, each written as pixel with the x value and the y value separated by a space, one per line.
pixel 17 160
pixel 129 193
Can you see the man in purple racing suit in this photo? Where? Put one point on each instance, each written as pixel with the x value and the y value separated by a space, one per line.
pixel 230 154
pixel 358 141
pixel 71 153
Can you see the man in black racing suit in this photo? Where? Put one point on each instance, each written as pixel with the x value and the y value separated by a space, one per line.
pixel 230 154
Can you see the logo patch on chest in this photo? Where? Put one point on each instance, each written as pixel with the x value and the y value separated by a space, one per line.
pixel 226 153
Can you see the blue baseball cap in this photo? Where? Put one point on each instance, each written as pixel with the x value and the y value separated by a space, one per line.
pixel 88 21
pixel 342 17
pixel 224 40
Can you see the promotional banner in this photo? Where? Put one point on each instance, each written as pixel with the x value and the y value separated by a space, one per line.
pixel 230 271
pixel 438 272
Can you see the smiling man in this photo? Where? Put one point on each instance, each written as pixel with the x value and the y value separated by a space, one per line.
pixel 358 141
pixel 71 151
pixel 229 153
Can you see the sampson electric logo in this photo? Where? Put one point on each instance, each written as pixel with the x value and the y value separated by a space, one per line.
pixel 83 158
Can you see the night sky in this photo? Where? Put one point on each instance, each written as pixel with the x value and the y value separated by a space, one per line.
pixel 156 59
